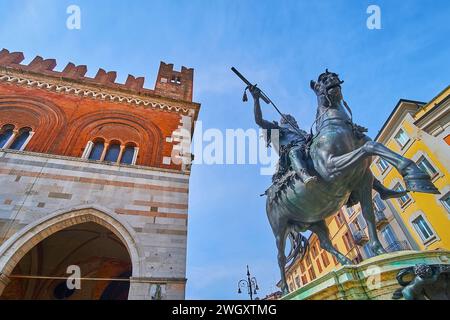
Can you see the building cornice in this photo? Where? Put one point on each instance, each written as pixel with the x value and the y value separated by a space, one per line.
pixel 431 117
pixel 402 108
pixel 94 91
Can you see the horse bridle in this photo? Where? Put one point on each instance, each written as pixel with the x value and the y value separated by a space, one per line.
pixel 326 110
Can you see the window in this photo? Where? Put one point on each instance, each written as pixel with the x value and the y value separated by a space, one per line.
pixel 115 151
pixel 446 201
pixel 354 226
pixel 5 135
pixel 350 211
pixel 426 166
pixel 389 235
pixel 308 260
pixel 401 137
pixel 297 282
pixel 368 251
pixel 128 155
pixel 339 219
pixel 403 199
pixel 423 229
pixel 319 266
pixel 97 150
pixel 378 204
pixel 21 139
pixel 361 222
pixel 347 241
pixel 291 286
pixel 112 154
pixel 304 279
pixel 302 267
pixel 314 250
pixel 325 259
pixel 312 274
pixel 382 164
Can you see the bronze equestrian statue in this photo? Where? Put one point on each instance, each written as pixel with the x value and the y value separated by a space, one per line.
pixel 336 172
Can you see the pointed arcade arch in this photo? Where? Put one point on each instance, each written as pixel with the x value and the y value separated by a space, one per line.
pixel 16 247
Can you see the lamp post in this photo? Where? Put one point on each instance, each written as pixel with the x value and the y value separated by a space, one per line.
pixel 251 284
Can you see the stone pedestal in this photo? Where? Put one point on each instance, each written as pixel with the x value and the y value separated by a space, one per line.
pixel 373 279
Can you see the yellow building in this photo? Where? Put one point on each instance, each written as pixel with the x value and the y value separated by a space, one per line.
pixel 318 261
pixel 391 229
pixel 421 132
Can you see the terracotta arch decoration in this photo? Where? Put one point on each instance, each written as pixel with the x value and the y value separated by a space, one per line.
pixel 16 247
pixel 116 125
pixel 44 117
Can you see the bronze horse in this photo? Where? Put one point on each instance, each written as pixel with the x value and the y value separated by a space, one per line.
pixel 340 157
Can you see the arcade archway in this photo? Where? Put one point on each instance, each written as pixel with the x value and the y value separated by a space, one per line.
pixel 101 256
pixel 34 261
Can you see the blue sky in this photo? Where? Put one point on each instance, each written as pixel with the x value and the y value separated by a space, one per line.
pixel 281 45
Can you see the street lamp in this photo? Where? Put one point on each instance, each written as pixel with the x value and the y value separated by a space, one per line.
pixel 251 284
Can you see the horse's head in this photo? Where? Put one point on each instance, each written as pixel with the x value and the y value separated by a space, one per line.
pixel 328 88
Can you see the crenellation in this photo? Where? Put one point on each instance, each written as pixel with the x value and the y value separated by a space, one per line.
pixel 104 77
pixel 40 64
pixel 73 71
pixel 7 58
pixel 134 83
pixel 179 84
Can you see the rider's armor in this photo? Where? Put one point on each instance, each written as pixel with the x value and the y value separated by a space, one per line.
pixel 292 149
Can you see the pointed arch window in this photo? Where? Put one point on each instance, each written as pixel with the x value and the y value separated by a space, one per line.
pixel 97 150
pixel 22 139
pixel 112 154
pixel 5 134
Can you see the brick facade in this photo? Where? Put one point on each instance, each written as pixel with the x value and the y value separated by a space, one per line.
pixel 53 174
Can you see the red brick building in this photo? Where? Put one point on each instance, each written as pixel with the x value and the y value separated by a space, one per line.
pixel 93 156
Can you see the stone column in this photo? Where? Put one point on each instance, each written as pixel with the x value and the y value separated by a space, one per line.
pixel 11 139
pixel 122 148
pixel 105 149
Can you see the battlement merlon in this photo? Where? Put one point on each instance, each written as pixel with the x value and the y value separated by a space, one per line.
pixel 177 85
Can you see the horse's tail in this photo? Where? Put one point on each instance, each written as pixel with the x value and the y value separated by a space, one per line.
pixel 299 246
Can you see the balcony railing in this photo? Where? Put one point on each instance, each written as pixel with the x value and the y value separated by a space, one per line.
pixel 398 246
pixel 360 237
pixel 380 219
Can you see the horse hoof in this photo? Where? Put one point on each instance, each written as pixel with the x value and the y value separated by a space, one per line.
pixel 392 194
pixel 417 180
pixel 421 185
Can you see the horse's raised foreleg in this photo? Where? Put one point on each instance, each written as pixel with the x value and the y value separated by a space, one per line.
pixel 415 179
pixel 364 194
pixel 321 230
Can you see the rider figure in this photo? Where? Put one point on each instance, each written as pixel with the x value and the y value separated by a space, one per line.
pixel 291 144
